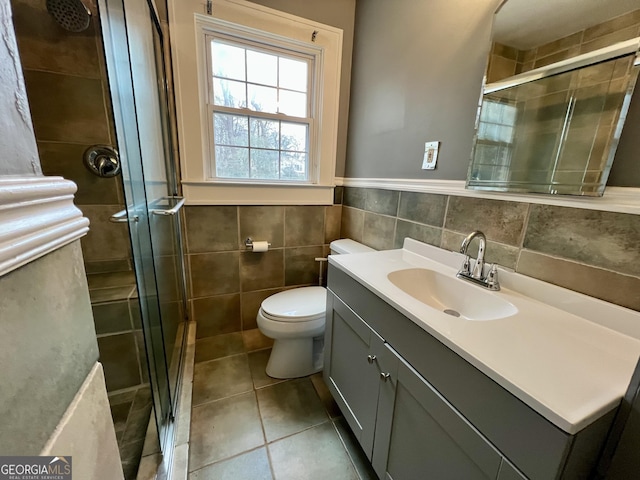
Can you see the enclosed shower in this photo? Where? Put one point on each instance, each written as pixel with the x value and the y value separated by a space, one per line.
pixel 95 78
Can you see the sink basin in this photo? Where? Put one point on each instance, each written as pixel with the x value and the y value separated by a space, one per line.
pixel 451 295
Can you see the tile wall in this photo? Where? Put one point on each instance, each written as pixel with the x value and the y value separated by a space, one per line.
pixel 506 61
pixel 68 94
pixel 227 283
pixel 589 251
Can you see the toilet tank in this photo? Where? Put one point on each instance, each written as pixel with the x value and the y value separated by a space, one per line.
pixel 346 245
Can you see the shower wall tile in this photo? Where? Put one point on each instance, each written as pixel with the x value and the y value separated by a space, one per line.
pixel 66 108
pixel 261 223
pixel 66 160
pixel 300 265
pixel 500 221
pixel 613 25
pixel 378 231
pixel 119 357
pixel 417 231
pixel 599 283
pixel 261 270
pixel 423 208
pixel 45 45
pixel 217 315
pixel 105 240
pixel 214 273
pixel 211 228
pixel 111 317
pixel 382 201
pixel 304 225
pixel 601 239
pixel 107 266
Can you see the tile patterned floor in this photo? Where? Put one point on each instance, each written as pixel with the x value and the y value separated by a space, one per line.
pixel 131 411
pixel 248 426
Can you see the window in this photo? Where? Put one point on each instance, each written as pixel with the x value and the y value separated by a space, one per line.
pixel 257 95
pixel 260 104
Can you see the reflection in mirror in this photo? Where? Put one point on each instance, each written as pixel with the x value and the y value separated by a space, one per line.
pixel 557 96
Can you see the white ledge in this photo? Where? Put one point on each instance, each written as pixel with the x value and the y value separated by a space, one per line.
pixel 37 216
pixel 615 199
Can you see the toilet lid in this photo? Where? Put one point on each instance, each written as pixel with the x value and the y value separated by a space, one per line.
pixel 298 304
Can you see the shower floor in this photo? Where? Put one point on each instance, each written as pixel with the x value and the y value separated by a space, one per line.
pixel 131 411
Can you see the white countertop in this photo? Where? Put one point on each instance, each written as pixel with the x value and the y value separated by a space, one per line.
pixel 570 369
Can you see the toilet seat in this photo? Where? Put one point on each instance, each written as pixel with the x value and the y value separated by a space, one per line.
pixel 298 305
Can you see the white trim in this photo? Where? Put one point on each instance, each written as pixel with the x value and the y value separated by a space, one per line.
pixel 202 193
pixel 191 92
pixel 37 216
pixel 615 199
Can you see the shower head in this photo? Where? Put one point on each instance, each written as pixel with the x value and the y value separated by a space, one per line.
pixel 71 15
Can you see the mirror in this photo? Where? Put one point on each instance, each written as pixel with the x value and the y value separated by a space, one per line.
pixel 559 84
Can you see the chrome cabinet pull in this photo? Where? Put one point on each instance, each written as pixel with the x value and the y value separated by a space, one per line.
pixel 371 358
pixel 384 376
pixel 171 211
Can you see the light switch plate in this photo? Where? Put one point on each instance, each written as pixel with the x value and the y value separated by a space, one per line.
pixel 430 155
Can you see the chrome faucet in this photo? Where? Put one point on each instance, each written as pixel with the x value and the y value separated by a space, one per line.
pixel 476 275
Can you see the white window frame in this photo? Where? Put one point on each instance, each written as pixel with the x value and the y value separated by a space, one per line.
pixel 190 67
pixel 281 47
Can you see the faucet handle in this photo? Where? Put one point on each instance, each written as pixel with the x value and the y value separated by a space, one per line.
pixel 492 278
pixel 466 266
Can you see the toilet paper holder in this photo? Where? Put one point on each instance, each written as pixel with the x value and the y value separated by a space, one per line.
pixel 248 243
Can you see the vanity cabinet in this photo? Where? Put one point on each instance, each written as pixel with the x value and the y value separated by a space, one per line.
pixel 420 410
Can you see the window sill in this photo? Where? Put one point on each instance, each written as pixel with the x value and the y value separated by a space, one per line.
pixel 249 193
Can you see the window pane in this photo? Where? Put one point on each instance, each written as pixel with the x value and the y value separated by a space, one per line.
pixel 263 99
pixel 293 136
pixel 229 93
pixel 262 68
pixel 293 74
pixel 232 162
pixel 293 103
pixel 264 164
pixel 293 166
pixel 265 133
pixel 227 61
pixel 231 130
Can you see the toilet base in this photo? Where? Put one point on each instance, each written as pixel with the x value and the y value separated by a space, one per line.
pixel 295 357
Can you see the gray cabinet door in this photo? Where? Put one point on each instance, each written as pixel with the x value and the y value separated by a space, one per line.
pixel 429 438
pixel 351 369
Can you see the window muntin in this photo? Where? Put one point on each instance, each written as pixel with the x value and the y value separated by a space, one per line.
pixel 260 110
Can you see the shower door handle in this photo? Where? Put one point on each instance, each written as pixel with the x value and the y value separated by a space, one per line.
pixel 122 217
pixel 171 211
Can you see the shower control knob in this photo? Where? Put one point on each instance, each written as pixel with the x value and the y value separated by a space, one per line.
pixel 384 376
pixel 371 358
pixel 102 160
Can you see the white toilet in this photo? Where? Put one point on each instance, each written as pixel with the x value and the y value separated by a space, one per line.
pixel 295 319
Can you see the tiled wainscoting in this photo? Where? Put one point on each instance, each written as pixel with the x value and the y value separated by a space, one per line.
pixel 589 251
pixel 246 425
pixel 227 283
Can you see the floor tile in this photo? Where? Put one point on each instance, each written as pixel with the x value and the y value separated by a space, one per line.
pixel 323 392
pixel 219 346
pixel 357 455
pixel 253 465
pixel 289 407
pixel 254 340
pixel 221 378
pixel 224 428
pixel 258 364
pixel 315 454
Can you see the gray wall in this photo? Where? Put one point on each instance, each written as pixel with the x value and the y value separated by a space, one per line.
pixel 417 73
pixel 337 13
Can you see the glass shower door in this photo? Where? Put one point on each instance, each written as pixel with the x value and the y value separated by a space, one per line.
pixel 133 50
